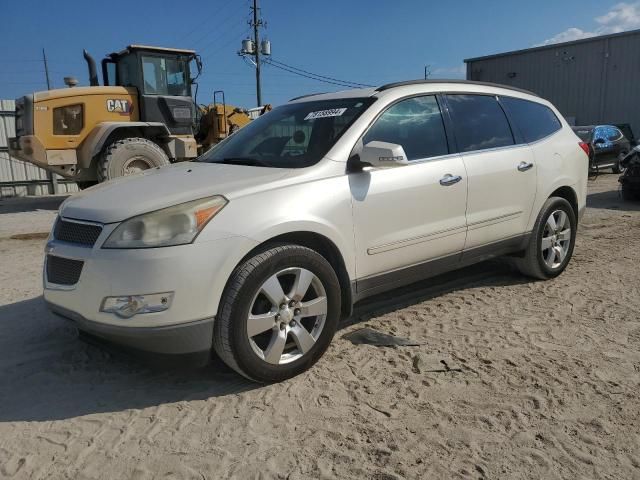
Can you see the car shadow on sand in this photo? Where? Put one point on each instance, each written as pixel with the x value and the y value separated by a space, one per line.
pixel 612 200
pixel 492 273
pixel 47 373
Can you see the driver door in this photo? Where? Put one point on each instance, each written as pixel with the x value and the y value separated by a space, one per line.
pixel 405 216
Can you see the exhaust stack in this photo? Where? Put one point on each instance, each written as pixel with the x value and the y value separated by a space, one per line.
pixel 93 72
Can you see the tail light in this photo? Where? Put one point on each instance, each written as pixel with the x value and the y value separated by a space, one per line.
pixel 585 147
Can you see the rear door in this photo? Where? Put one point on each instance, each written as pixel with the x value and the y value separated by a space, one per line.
pixel 501 174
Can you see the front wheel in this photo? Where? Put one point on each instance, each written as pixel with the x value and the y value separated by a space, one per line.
pixel 552 241
pixel 278 313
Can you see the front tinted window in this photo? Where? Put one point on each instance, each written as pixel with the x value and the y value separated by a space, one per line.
pixel 294 135
pixel 534 120
pixel 479 122
pixel 416 124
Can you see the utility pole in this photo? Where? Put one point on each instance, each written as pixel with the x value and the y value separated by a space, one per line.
pixel 46 69
pixel 256 24
pixel 427 71
pixel 53 180
pixel 254 48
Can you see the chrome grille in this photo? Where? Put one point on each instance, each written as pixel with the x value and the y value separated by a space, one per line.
pixel 63 271
pixel 73 232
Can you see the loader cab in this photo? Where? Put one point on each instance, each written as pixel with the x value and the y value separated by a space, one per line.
pixel 162 77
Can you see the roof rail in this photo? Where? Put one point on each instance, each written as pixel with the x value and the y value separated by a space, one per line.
pixel 307 95
pixel 469 82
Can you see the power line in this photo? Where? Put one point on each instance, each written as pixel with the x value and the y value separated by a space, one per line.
pixel 220 48
pixel 343 82
pixel 220 32
pixel 213 48
pixel 308 76
pixel 203 23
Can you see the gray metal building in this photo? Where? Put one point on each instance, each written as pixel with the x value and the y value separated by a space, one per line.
pixel 591 81
pixel 18 178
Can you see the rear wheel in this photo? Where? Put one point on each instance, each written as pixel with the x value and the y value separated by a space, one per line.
pixel 552 241
pixel 278 313
pixel 130 156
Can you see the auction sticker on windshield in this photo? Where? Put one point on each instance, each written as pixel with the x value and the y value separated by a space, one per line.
pixel 334 112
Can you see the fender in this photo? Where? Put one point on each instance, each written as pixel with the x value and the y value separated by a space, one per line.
pixel 345 248
pixel 95 141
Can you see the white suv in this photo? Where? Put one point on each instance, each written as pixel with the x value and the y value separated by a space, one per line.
pixel 259 247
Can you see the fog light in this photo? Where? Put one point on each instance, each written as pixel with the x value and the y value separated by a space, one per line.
pixel 129 305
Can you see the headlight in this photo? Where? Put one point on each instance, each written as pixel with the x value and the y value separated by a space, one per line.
pixel 68 120
pixel 177 225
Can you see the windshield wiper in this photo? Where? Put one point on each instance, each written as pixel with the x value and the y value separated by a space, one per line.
pixel 243 161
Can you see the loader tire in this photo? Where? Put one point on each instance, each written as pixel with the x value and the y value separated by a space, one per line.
pixel 129 157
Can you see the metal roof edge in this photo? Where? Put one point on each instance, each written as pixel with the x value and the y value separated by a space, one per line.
pixel 552 46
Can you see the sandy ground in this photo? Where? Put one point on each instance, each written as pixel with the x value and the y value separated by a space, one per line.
pixel 547 387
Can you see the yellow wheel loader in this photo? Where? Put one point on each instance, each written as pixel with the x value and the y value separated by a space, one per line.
pixel 143 116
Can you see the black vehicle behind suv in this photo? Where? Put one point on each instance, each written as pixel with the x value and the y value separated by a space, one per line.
pixel 607 146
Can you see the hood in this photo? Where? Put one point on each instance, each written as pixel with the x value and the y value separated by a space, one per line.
pixel 126 197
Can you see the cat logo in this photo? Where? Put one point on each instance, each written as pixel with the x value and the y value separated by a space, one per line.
pixel 123 107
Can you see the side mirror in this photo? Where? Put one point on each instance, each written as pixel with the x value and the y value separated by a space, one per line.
pixel 383 155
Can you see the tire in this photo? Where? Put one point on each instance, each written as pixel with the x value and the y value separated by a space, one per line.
pixel 245 295
pixel 534 263
pixel 130 156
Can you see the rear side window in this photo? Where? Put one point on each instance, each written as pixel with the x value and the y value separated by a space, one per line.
pixel 534 120
pixel 416 124
pixel 479 122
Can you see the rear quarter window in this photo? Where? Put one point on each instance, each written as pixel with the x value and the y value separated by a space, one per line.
pixel 534 120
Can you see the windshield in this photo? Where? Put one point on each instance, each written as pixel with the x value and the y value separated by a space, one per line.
pixel 295 135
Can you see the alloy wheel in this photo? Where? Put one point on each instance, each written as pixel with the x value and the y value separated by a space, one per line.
pixel 287 316
pixel 556 239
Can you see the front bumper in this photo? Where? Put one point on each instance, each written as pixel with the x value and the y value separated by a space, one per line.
pixel 191 339
pixel 195 273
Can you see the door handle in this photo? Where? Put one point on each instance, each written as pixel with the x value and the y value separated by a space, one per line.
pixel 449 180
pixel 524 166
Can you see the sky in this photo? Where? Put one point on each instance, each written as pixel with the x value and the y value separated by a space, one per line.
pixel 364 41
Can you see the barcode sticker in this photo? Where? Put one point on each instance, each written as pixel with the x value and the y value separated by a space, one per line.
pixel 334 112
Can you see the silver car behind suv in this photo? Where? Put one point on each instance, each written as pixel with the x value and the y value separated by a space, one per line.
pixel 259 247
